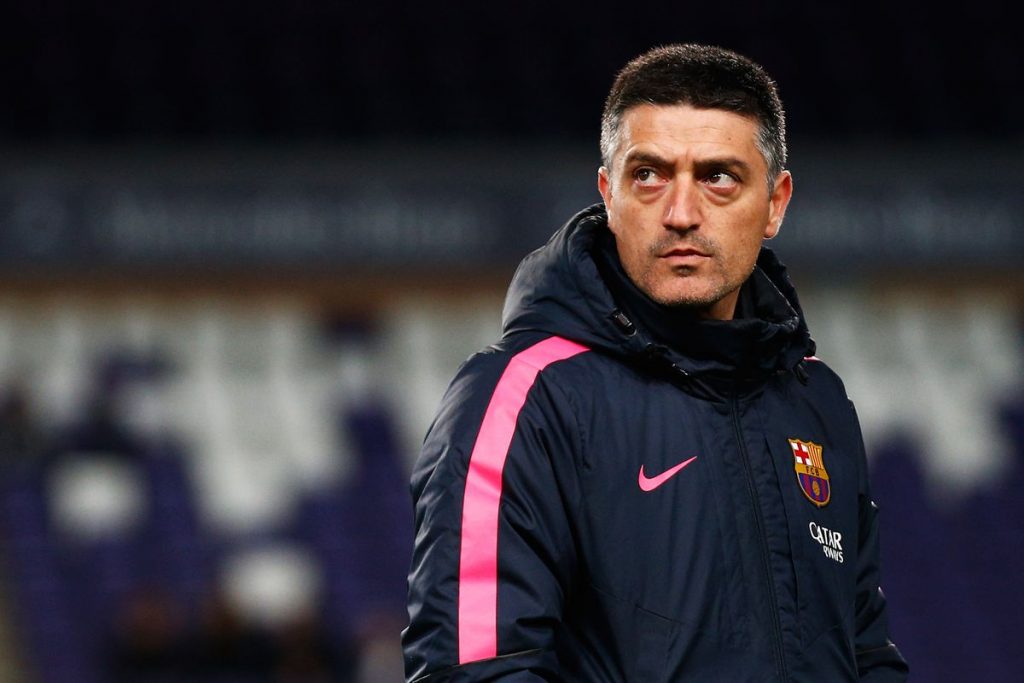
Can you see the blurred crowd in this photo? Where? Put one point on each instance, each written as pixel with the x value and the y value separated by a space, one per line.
pixel 117 574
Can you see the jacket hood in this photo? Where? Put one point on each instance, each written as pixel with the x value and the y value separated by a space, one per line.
pixel 559 289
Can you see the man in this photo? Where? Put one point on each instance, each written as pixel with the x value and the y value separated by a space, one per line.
pixel 651 478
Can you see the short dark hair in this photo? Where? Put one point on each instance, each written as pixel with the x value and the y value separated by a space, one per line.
pixel 705 77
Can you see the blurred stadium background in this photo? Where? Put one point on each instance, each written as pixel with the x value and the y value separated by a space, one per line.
pixel 243 247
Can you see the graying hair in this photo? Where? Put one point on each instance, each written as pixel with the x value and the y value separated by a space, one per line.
pixel 704 77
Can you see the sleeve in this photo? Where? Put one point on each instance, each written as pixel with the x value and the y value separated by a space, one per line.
pixel 494 549
pixel 878 658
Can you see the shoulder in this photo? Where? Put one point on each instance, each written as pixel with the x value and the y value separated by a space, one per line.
pixel 823 376
pixel 503 378
pixel 508 369
pixel 826 392
pixel 498 391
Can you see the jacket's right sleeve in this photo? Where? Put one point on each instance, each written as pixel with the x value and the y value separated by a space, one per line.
pixel 494 549
pixel 878 658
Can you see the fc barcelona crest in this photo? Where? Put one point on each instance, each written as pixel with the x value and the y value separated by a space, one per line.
pixel 810 471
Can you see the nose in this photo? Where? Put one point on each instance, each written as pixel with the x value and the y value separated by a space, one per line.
pixel 683 210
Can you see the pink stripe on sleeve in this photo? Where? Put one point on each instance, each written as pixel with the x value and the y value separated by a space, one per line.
pixel 478 562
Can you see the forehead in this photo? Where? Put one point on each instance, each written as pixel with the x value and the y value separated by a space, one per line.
pixel 683 132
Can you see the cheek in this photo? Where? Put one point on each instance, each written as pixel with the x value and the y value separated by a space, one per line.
pixel 628 232
pixel 748 233
pixel 630 253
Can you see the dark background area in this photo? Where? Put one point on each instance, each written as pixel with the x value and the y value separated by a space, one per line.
pixel 256 71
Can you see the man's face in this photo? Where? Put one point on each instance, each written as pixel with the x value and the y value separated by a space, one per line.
pixel 688 203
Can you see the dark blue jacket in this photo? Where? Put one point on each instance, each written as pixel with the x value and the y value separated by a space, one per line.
pixel 593 504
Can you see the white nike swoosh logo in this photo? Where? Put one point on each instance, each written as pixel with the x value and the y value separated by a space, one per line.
pixel 651 483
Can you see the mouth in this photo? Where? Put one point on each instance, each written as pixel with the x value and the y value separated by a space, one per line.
pixel 684 256
pixel 684 251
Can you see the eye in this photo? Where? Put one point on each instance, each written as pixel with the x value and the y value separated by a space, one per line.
pixel 721 179
pixel 646 176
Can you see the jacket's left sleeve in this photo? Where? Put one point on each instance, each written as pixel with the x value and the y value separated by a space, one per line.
pixel 878 659
pixel 494 550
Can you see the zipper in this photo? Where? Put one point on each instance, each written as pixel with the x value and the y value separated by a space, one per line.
pixel 773 600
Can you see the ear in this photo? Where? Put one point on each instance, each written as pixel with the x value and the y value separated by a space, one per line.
pixel 604 186
pixel 777 204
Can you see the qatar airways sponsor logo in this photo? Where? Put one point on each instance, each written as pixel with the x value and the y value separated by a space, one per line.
pixel 831 541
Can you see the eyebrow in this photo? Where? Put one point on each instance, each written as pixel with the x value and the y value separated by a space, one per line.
pixel 730 163
pixel 645 158
pixel 704 165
